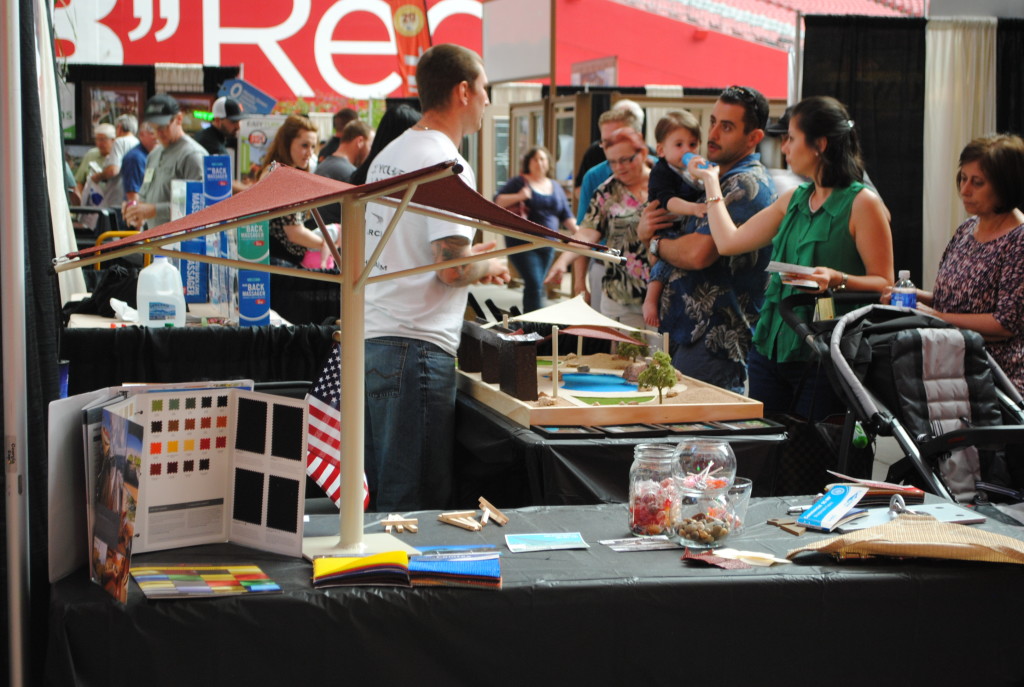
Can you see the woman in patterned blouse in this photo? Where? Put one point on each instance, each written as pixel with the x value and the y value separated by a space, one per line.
pixel 980 283
pixel 294 145
pixel 612 218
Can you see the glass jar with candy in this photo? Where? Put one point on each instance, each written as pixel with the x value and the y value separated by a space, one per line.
pixel 652 489
pixel 704 472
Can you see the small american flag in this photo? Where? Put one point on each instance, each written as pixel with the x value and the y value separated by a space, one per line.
pixel 324 442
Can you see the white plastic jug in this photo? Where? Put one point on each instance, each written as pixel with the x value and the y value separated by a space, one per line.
pixel 160 296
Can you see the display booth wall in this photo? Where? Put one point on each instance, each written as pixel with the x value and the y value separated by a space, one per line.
pixel 877 67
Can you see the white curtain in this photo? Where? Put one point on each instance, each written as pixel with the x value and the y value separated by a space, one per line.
pixel 654 114
pixel 70 281
pixel 960 104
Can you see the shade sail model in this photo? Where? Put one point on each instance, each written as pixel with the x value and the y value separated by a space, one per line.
pixel 606 333
pixel 435 191
pixel 574 312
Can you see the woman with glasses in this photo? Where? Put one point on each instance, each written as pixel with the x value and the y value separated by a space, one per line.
pixel 612 217
pixel 833 223
pixel 980 281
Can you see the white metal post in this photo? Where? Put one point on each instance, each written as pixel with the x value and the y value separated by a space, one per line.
pixel 12 266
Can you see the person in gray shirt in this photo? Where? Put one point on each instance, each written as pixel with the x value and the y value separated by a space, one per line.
pixel 355 141
pixel 177 157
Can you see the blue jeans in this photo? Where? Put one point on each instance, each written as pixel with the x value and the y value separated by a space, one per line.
pixel 779 387
pixel 532 267
pixel 695 360
pixel 410 424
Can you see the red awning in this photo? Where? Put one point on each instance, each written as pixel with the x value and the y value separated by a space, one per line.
pixel 287 189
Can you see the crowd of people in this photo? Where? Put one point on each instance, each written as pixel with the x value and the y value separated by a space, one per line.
pixel 696 233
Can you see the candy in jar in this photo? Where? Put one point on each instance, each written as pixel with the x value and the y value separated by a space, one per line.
pixel 706 464
pixel 652 489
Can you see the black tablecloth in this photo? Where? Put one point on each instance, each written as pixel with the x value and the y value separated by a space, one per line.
pixel 495 455
pixel 109 357
pixel 565 617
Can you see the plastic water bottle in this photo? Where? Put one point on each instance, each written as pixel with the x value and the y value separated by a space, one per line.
pixel 695 183
pixel 160 295
pixel 860 437
pixel 904 293
pixel 689 156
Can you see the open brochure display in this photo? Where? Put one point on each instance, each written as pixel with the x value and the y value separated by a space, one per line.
pixel 187 465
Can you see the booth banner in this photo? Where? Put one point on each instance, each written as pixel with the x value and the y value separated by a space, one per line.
pixel 412 38
pixel 290 49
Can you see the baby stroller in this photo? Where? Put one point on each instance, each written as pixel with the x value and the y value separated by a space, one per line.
pixel 932 387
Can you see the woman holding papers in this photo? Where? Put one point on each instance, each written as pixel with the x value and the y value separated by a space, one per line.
pixel 833 223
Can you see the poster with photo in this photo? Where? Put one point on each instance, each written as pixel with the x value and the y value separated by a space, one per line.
pixel 115 502
pixel 103 103
pixel 196 111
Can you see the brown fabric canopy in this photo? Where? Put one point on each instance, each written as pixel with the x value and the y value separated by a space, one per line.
pixel 287 188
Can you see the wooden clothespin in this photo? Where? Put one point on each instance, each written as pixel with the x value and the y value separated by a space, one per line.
pixel 396 522
pixel 461 518
pixel 788 525
pixel 492 513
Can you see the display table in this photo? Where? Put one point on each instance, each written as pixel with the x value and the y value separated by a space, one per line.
pixel 578 616
pixel 498 458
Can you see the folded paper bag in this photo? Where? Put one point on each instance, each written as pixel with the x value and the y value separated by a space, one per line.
pixel 920 536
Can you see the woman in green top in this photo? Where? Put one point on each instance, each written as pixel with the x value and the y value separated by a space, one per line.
pixel 833 223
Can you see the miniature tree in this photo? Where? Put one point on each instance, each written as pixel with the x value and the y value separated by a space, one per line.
pixel 659 374
pixel 633 350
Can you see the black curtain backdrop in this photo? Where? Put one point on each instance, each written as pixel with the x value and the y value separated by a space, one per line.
pixel 42 323
pixel 1009 82
pixel 875 66
pixel 42 326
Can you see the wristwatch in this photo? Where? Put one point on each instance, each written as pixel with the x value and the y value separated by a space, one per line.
pixel 652 247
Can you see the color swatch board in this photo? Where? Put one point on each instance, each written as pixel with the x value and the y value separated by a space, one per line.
pixel 96 431
pixel 220 465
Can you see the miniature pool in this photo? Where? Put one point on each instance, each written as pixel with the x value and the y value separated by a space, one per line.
pixel 587 381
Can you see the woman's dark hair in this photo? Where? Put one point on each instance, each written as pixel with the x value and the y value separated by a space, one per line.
pixel 1001 158
pixel 821 117
pixel 280 150
pixel 530 154
pixel 394 122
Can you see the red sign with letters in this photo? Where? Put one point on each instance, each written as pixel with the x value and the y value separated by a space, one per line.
pixel 320 49
pixel 288 48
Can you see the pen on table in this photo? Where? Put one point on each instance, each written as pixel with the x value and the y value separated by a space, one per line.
pixel 794 510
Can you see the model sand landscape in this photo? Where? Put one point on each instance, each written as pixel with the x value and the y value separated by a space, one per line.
pixel 689 400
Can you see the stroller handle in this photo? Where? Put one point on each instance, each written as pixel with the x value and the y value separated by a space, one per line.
pixel 815 334
pixel 787 309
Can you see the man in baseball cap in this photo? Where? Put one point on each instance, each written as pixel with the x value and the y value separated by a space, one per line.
pixel 177 157
pixel 227 113
pixel 161 109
